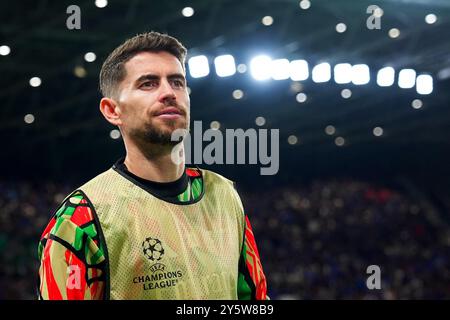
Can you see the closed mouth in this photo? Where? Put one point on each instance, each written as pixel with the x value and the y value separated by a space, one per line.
pixel 169 111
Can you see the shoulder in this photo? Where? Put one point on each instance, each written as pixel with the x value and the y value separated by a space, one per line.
pixel 221 186
pixel 71 240
pixel 215 178
pixel 215 181
pixel 104 179
pixel 73 224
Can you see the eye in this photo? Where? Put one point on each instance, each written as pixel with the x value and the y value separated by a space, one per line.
pixel 178 83
pixel 149 84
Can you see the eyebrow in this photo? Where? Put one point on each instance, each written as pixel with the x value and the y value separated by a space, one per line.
pixel 150 76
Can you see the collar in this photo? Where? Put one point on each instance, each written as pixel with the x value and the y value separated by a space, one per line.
pixel 160 189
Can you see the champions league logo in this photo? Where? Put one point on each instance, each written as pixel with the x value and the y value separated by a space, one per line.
pixel 153 249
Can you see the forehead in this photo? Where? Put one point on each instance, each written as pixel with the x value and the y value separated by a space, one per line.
pixel 159 63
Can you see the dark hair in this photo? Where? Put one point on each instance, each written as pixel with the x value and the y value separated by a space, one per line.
pixel 113 69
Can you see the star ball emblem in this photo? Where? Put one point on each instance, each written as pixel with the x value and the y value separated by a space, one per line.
pixel 153 249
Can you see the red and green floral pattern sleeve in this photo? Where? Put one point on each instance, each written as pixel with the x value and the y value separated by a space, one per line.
pixel 252 284
pixel 72 255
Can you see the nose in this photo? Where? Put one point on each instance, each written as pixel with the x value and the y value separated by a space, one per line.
pixel 167 94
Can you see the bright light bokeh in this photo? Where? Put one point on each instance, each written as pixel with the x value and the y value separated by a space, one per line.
pixel 198 66
pixel 343 73
pixel 225 65
pixel 260 67
pixel 386 77
pixel 299 70
pixel 406 78
pixel 424 84
pixel 280 69
pixel 321 73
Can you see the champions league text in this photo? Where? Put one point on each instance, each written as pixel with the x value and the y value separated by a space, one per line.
pixel 160 280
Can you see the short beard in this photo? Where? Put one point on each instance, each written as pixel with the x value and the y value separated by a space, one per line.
pixel 150 137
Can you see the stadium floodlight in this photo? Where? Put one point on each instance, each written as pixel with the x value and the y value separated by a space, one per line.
pixel 267 21
pixel 321 72
pixel 301 97
pixel 360 74
pixel 260 121
pixel 280 69
pixel 330 130
pixel 386 77
pixel 198 66
pixel 114 134
pixel 430 18
pixel 5 50
pixel 35 82
pixel 260 67
pixel 225 65
pixel 238 94
pixel 339 141
pixel 341 27
pixel 241 68
pixel 407 78
pixel 299 70
pixel 292 139
pixel 101 3
pixel 29 118
pixel 187 12
pixel 424 84
pixel 394 33
pixel 377 131
pixel 305 4
pixel 90 57
pixel 417 104
pixel 346 93
pixel 343 73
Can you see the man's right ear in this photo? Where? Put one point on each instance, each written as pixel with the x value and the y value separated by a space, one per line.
pixel 111 111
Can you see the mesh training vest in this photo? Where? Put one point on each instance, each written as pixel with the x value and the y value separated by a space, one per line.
pixel 162 250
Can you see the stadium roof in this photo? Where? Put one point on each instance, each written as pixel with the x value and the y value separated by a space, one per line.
pixel 67 134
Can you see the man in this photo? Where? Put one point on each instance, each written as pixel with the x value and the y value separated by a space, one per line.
pixel 149 227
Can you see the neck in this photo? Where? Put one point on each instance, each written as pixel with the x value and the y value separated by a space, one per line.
pixel 155 163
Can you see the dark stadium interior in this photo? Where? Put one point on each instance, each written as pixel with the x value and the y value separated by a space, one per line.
pixel 329 212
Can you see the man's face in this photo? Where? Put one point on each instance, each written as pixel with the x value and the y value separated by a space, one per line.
pixel 153 98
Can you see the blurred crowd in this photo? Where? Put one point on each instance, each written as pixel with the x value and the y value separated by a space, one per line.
pixel 316 241
pixel 25 210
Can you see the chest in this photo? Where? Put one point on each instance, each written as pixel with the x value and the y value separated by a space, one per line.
pixel 162 250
